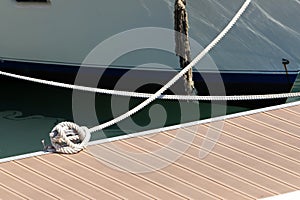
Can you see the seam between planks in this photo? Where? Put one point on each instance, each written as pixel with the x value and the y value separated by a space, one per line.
pixel 245 166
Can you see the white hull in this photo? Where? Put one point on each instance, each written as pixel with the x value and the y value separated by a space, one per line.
pixel 65 31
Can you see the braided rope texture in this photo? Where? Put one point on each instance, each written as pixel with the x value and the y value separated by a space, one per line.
pixel 64 134
pixel 63 138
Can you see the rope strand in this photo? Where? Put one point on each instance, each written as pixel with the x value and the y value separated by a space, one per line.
pixel 179 75
pixel 63 144
pixel 147 95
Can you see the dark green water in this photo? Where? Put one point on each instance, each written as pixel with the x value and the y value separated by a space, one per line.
pixel 29 111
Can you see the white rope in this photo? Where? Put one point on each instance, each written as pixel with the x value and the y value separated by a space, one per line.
pixel 59 135
pixel 160 96
pixel 63 135
pixel 147 95
pixel 179 75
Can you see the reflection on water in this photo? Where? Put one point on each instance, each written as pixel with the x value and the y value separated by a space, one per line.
pixel 29 111
pixel 22 134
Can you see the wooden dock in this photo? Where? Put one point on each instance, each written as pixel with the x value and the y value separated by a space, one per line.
pixel 256 156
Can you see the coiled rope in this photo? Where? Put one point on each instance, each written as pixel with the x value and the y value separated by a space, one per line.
pixel 63 135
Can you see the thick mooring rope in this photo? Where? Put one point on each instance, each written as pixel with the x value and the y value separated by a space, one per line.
pixel 63 135
pixel 182 43
pixel 171 82
pixel 69 138
pixel 147 95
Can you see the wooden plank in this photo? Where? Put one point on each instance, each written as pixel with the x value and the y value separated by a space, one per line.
pixel 295 109
pixel 22 186
pixel 43 183
pixel 234 155
pixel 191 184
pixel 228 165
pixel 254 162
pixel 100 179
pixel 252 157
pixel 87 190
pixel 134 180
pixel 259 146
pixel 9 194
pixel 196 173
pixel 262 130
pixel 284 115
pixel 170 184
pixel 282 126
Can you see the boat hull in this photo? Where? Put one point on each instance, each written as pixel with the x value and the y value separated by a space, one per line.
pixel 206 83
pixel 51 40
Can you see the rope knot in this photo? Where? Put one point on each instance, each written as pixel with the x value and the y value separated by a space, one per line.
pixel 69 138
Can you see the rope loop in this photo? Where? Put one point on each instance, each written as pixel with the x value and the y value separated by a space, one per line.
pixel 69 138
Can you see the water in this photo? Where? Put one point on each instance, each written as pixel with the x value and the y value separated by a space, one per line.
pixel 28 112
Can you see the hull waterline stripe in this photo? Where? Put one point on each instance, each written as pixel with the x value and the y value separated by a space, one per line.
pixel 60 131
pixel 147 95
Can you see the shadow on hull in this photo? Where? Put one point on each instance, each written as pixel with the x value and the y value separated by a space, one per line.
pixel 234 83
